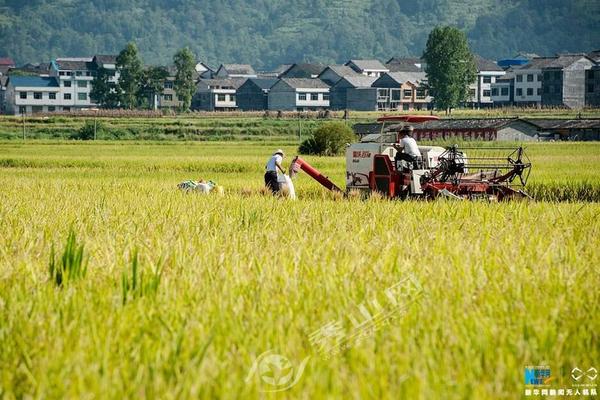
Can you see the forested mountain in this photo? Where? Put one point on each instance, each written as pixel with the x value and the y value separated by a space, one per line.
pixel 269 32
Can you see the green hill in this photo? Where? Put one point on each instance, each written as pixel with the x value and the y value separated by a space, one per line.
pixel 269 32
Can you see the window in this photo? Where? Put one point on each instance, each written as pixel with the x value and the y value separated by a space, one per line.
pixel 22 95
pixel 494 91
pixel 302 96
pixel 82 96
pixel 37 95
pixel 529 91
pixel 82 84
pixel 167 97
pixel 487 79
pixel 220 97
pixel 382 95
pixel 504 91
pixel 168 85
pixel 66 109
pixel 88 73
pixel 52 96
pixel 407 93
pixel 486 93
pixel 519 78
pixel 539 91
pixel 326 96
pixel 590 88
pixel 539 77
pixel 421 94
pixel 396 93
pixel 51 108
pixel 22 110
pixel 67 96
pixel 519 92
pixel 314 96
pixel 68 73
pixel 231 98
pixel 529 77
pixel 79 73
pixel 61 73
pixel 67 83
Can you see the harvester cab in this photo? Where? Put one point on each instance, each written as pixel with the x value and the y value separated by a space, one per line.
pixel 372 165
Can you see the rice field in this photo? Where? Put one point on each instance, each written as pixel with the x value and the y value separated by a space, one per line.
pixel 113 284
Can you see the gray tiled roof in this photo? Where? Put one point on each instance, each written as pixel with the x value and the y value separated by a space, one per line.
pixel 239 69
pixel 342 70
pixel 303 83
pixel 564 60
pixel 229 83
pixel 371 65
pixel 486 65
pixel 106 59
pixel 537 63
pixel 303 70
pixel 264 84
pixel 413 77
pixel 69 65
pixel 408 64
pixel 360 80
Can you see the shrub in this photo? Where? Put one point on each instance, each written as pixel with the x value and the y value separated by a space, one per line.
pixel 86 132
pixel 329 139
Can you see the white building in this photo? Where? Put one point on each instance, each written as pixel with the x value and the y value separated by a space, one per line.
pixel 299 94
pixel 503 89
pixel 26 95
pixel 480 92
pixel 528 82
pixel 75 76
pixel 216 94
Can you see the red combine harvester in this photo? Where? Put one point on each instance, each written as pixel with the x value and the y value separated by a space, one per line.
pixel 493 173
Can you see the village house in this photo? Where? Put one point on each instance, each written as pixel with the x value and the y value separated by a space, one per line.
pixel 216 94
pixel 354 92
pixel 253 95
pixel 333 73
pixel 592 86
pixel 480 92
pixel 235 71
pixel 302 71
pixel 402 91
pixel 26 95
pixel 528 82
pixel 564 80
pixel 368 67
pixel 299 94
pixel 75 77
pixel 503 89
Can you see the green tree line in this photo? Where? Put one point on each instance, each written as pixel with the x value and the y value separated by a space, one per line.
pixel 266 33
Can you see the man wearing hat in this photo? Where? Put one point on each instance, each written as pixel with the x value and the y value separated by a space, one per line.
pixel 272 166
pixel 410 150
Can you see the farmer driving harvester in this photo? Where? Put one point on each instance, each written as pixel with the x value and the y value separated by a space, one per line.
pixel 407 147
pixel 272 166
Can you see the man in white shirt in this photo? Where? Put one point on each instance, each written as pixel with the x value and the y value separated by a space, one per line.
pixel 272 166
pixel 410 150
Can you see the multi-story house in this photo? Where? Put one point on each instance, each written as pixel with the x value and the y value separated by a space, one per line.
pixel 592 86
pixel 26 95
pixel 528 82
pixel 564 81
pixel 75 76
pixel 253 95
pixel 216 94
pixel 368 67
pixel 402 91
pixel 480 92
pixel 354 92
pixel 299 94
pixel 503 89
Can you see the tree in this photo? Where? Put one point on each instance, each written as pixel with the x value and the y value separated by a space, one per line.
pixel 104 92
pixel 450 66
pixel 185 86
pixel 152 84
pixel 129 66
pixel 328 139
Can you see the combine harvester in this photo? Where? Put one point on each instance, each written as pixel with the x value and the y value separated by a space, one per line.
pixel 488 173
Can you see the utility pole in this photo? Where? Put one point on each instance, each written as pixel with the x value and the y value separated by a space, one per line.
pixel 23 115
pixel 95 125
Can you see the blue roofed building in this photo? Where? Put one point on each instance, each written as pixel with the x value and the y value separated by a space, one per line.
pixel 26 95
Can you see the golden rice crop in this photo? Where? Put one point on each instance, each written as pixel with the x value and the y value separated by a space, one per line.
pixel 182 292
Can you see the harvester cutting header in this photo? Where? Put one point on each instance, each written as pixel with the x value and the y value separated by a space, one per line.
pixel 382 163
